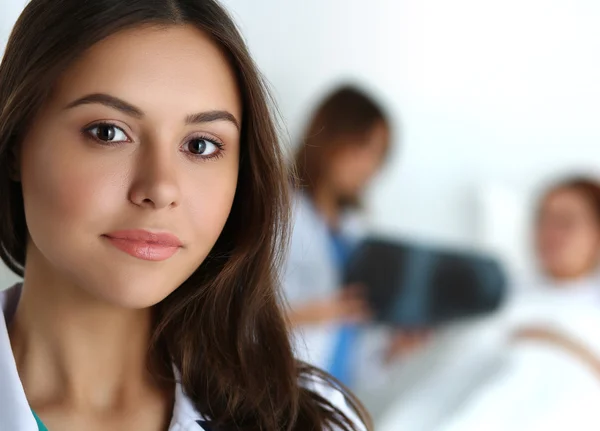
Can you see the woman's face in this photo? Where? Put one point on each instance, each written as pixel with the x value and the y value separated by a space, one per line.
pixel 130 170
pixel 354 164
pixel 568 235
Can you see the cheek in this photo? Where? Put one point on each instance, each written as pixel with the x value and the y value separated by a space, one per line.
pixel 208 202
pixel 358 173
pixel 344 169
pixel 585 243
pixel 575 248
pixel 63 190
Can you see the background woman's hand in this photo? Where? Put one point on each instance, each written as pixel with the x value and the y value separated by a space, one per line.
pixel 406 341
pixel 348 305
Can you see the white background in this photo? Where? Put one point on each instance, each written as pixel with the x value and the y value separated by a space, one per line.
pixel 487 92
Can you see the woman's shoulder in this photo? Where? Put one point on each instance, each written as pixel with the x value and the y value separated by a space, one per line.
pixel 309 230
pixel 335 396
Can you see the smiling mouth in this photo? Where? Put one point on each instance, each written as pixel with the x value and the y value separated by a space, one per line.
pixel 145 245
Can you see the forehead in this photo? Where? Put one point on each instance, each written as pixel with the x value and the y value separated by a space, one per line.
pixel 176 69
pixel 567 200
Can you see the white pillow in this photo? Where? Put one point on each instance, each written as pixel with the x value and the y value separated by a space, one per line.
pixel 504 226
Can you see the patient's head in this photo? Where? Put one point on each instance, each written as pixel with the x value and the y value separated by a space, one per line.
pixel 344 146
pixel 568 229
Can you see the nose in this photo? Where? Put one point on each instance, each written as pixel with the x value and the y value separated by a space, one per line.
pixel 155 183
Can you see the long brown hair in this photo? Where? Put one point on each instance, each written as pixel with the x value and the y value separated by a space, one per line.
pixel 223 328
pixel 345 114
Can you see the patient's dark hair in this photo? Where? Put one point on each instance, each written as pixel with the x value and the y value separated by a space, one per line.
pixel 224 328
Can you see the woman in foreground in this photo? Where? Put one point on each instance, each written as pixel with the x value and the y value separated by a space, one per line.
pixel 144 203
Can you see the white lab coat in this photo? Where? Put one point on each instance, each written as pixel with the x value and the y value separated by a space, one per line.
pixel 310 274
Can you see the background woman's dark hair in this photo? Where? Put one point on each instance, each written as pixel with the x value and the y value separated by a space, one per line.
pixel 586 187
pixel 343 116
pixel 223 328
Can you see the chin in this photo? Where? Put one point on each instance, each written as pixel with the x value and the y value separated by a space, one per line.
pixel 115 278
pixel 131 295
pixel 564 272
pixel 133 289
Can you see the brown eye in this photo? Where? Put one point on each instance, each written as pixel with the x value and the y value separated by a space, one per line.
pixel 202 147
pixel 107 133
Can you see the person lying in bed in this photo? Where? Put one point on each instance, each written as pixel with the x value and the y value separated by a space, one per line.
pixel 551 376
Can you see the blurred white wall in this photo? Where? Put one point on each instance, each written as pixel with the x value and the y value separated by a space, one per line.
pixel 488 92
pixel 9 12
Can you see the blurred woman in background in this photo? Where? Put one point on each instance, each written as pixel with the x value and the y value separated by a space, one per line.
pixel 343 148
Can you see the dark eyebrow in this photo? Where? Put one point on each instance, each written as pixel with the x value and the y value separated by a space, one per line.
pixel 210 116
pixel 133 111
pixel 110 101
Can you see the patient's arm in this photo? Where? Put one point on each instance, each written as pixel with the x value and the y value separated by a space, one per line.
pixel 560 341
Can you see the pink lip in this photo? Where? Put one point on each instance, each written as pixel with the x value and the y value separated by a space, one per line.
pixel 145 245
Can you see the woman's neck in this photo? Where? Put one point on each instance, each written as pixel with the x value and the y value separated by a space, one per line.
pixel 327 205
pixel 73 349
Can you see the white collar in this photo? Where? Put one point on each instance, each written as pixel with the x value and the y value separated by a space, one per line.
pixel 15 413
